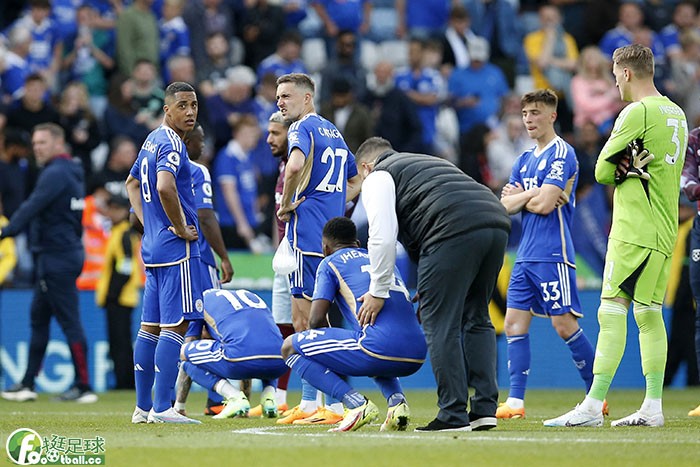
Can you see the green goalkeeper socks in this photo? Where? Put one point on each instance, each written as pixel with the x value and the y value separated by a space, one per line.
pixel 653 347
pixel 612 337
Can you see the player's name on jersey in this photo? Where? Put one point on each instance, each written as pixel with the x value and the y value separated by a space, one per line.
pixel 670 109
pixel 352 254
pixel 329 132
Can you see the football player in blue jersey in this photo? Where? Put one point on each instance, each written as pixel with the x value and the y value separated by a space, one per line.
pixel 542 187
pixel 320 177
pixel 210 241
pixel 245 343
pixel 160 192
pixel 391 347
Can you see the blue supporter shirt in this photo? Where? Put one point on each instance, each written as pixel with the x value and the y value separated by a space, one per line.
pixel 620 37
pixel 233 163
pixel 243 323
pixel 427 14
pixel 346 14
pixel 343 277
pixel 275 65
pixel 201 185
pixel 45 37
pixel 548 238
pixel 174 40
pixel 429 81
pixel 13 77
pixel 163 150
pixel 488 84
pixel 329 164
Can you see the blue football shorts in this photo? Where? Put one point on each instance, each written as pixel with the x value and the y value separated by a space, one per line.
pixel 544 289
pixel 208 354
pixel 339 350
pixel 172 294
pixel 303 280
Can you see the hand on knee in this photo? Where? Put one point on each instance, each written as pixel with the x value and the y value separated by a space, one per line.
pixel 288 347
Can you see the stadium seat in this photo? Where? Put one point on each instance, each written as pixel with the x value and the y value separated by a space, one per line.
pixel 395 51
pixel 382 24
pixel 313 54
pixel 369 54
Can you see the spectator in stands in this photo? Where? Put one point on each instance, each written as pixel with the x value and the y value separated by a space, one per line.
pixel 508 140
pixel 593 91
pixel 34 108
pixel 685 77
pixel 14 150
pixel 120 115
pixel 181 68
pixel 174 35
pixel 455 41
pixel 684 19
pixel 46 49
pixel 90 58
pixel 552 53
pixel 476 92
pixel 345 64
pixel 426 89
pixel 205 18
pixel 95 235
pixel 340 15
pixel 15 67
pixel 497 22
pixel 148 97
pixel 137 36
pixel 122 154
pixel 630 23
pixel 294 12
pixel 213 66
pixel 286 59
pixel 395 114
pixel 421 18
pixel 80 125
pixel 232 100
pixel 352 118
pixel 263 25
pixel 236 185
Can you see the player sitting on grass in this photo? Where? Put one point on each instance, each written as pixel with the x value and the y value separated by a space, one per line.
pixel 393 346
pixel 245 344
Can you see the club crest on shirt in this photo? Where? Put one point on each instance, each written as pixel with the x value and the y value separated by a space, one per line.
pixel 695 255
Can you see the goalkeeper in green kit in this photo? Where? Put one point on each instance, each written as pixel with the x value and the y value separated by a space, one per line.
pixel 643 158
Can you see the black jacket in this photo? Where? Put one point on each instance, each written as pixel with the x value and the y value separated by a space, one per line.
pixel 436 201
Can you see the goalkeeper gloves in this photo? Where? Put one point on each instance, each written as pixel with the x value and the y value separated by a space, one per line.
pixel 637 160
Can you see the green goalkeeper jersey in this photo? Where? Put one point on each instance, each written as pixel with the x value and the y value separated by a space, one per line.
pixel 645 213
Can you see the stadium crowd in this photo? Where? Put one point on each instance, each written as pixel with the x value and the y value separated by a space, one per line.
pixel 441 77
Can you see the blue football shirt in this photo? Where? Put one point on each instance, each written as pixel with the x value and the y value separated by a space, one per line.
pixel 201 185
pixel 548 238
pixel 343 277
pixel 243 323
pixel 329 164
pixel 164 150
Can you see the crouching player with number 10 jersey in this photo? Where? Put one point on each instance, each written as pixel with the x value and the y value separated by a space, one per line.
pixel 245 344
pixel 394 346
pixel 160 191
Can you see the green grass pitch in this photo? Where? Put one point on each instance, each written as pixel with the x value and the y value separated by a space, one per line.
pixel 260 442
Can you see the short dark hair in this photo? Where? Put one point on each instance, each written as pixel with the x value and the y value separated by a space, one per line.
pixel 178 86
pixel 544 96
pixel 340 230
pixel 372 148
pixel 35 77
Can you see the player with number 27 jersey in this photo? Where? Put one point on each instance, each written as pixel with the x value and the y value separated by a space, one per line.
pixel 329 164
pixel 164 150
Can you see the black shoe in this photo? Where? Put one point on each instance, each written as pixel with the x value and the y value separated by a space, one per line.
pixel 74 394
pixel 481 422
pixel 19 393
pixel 437 425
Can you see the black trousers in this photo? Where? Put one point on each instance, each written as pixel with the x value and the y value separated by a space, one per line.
pixel 455 281
pixel 56 295
pixel 120 348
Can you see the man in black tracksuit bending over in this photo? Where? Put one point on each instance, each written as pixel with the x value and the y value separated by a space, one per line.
pixel 456 230
pixel 53 213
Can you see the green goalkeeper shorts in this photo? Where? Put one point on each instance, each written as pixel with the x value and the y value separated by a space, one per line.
pixel 635 273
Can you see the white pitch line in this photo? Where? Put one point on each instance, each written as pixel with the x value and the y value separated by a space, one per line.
pixel 280 431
